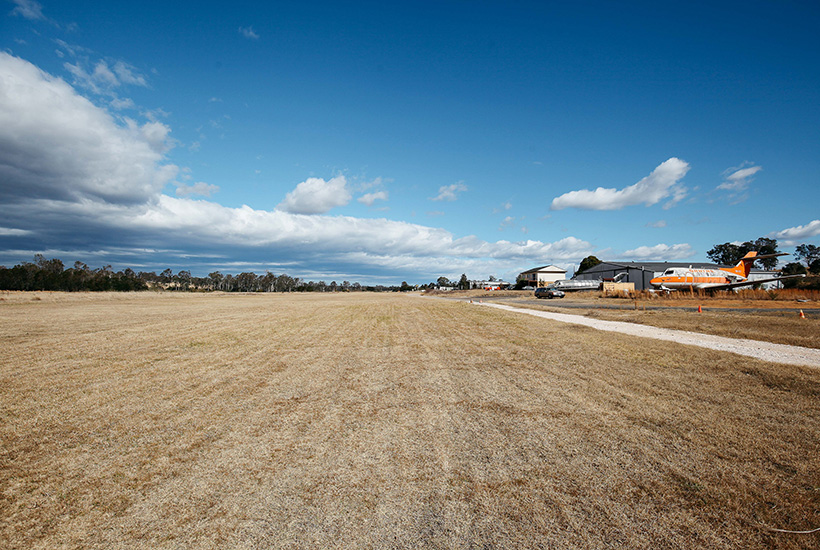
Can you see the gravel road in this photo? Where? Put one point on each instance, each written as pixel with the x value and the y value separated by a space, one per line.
pixel 775 353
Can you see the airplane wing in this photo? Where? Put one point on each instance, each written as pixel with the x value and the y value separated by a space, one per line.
pixel 755 282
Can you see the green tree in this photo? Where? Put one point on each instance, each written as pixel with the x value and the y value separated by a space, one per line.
pixel 588 263
pixel 463 283
pixel 807 253
pixel 725 254
pixel 793 268
pixel 762 246
pixel 443 281
pixel 731 253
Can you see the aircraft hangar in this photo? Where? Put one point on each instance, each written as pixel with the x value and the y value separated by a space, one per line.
pixel 639 273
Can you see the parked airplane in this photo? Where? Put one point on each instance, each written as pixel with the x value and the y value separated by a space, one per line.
pixel 725 278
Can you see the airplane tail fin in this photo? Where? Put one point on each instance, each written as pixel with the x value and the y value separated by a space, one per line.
pixel 744 266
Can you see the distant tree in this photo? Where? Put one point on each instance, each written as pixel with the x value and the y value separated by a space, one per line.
pixel 807 253
pixel 215 280
pixel 762 246
pixel 54 266
pixel 814 267
pixel 492 278
pixel 184 279
pixel 443 281
pixel 246 282
pixel 588 263
pixel 267 283
pixel 725 254
pixel 793 268
pixel 731 253
pixel 464 283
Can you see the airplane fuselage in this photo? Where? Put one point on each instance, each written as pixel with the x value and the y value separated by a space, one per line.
pixel 686 278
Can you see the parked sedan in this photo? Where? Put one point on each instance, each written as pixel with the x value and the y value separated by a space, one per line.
pixel 548 293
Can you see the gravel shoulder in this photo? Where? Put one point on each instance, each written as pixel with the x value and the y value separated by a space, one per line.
pixel 777 353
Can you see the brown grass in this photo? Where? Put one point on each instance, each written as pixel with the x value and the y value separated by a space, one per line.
pixel 376 421
pixel 765 320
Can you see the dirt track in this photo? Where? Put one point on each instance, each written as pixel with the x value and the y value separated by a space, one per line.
pixel 776 353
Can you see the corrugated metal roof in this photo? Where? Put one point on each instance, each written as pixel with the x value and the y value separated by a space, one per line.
pixel 647 266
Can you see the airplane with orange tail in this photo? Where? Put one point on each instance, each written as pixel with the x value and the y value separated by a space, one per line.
pixel 677 278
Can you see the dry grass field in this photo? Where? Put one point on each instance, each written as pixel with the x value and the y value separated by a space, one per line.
pixel 386 421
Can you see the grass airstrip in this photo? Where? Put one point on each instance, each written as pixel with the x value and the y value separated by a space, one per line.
pixel 162 420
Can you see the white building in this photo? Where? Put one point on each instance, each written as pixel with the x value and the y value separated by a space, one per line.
pixel 542 276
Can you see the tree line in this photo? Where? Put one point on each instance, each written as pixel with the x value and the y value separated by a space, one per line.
pixel 44 274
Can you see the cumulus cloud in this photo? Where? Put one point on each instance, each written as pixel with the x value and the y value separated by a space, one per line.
pixel 662 183
pixel 72 174
pixel 661 252
pixel 797 235
pixel 57 144
pixel 103 79
pixel 316 196
pixel 29 9
pixel 738 179
pixel 449 192
pixel 369 198
pixel 249 33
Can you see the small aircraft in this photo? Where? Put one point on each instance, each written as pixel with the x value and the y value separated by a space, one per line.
pixel 725 278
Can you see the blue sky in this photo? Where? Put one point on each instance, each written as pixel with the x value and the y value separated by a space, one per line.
pixel 378 143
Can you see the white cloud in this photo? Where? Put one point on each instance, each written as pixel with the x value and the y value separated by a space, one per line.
pixel 449 192
pixel 658 224
pixel 29 9
pixel 316 196
pixel 663 182
pixel 127 74
pixel 103 79
pixel 11 232
pixel 660 252
pixel 509 221
pixel 738 180
pixel 797 235
pixel 120 104
pixel 199 188
pixel 56 143
pixel 248 32
pixel 369 198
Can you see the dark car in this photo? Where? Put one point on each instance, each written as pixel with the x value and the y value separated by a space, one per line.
pixel 548 293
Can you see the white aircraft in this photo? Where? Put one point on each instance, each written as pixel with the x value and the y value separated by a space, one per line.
pixel 676 278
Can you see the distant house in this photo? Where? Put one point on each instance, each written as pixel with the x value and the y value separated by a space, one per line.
pixel 489 285
pixel 542 276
